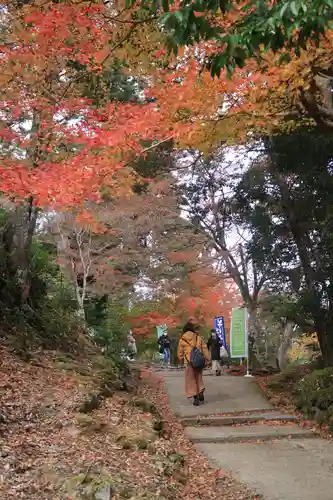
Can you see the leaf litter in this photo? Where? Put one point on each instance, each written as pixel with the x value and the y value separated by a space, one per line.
pixel 49 451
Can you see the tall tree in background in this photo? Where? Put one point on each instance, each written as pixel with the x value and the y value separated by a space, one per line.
pixel 207 198
pixel 127 242
pixel 286 199
pixel 196 291
pixel 206 295
pixel 84 249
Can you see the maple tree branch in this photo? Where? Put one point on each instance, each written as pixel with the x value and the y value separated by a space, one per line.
pixel 242 237
pixel 149 148
pixel 100 251
pixel 118 44
pixel 250 114
pixel 132 22
pixel 229 260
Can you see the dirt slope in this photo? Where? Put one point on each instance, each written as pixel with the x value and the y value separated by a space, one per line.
pixel 55 446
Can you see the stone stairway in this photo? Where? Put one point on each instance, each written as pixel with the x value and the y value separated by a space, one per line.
pixel 158 366
pixel 267 450
pixel 243 428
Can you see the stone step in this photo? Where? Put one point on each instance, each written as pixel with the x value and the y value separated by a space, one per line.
pixel 217 421
pixel 168 369
pixel 285 469
pixel 259 432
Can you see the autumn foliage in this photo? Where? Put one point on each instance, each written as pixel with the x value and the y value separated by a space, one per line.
pixel 201 296
pixel 207 296
pixel 66 140
pixel 60 145
pixel 276 92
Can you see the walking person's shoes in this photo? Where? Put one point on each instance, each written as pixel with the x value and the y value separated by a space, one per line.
pixel 201 397
pixel 218 373
pixel 196 401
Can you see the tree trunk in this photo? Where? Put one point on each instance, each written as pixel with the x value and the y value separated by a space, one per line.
pixel 322 329
pixel 31 222
pixel 266 346
pixel 254 336
pixel 282 354
pixel 80 297
pixel 17 238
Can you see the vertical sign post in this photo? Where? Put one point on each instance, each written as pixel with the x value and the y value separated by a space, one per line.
pixel 239 345
pixel 220 330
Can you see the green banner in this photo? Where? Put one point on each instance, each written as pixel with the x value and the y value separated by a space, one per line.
pixel 238 334
pixel 160 330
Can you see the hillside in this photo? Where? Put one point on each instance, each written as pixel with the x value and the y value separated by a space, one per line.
pixel 70 430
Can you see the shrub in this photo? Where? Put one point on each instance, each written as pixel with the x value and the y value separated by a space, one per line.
pixel 146 406
pixel 288 378
pixel 46 315
pixel 130 439
pixel 107 324
pixel 314 396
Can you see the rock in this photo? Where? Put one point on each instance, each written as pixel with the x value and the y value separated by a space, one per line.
pixel 119 385
pixel 107 391
pixel 90 424
pixel 91 403
pixel 48 411
pixel 129 386
pixel 104 493
pixel 5 450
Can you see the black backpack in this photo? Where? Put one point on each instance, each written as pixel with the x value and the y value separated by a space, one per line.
pixel 197 359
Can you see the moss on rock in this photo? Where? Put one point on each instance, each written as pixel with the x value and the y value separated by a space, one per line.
pixel 91 402
pixel 90 423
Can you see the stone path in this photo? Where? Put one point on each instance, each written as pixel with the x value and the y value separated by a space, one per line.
pixel 224 395
pixel 239 431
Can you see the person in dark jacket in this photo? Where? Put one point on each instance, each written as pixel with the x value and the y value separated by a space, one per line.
pixel 214 345
pixel 164 343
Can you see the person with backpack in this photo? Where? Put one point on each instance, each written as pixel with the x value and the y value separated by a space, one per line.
pixel 192 349
pixel 164 343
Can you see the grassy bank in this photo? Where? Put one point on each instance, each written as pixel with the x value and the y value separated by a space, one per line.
pixel 304 389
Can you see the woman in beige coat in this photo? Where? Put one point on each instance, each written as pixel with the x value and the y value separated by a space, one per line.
pixel 194 385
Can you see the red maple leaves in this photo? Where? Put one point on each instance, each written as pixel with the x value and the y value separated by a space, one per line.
pixel 58 145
